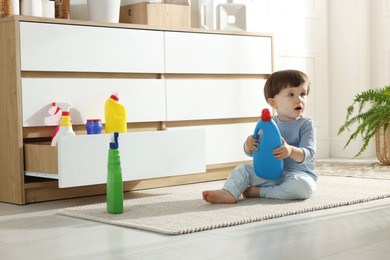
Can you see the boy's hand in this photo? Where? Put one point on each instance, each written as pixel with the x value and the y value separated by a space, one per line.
pixel 251 144
pixel 283 151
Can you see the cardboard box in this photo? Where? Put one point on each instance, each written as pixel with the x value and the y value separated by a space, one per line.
pixel 156 14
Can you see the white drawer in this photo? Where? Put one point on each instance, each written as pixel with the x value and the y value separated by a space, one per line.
pixel 214 99
pixel 224 143
pixel 144 99
pixel 57 47
pixel 82 159
pixel 217 53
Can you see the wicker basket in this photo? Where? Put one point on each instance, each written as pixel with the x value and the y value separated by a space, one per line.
pixel 382 141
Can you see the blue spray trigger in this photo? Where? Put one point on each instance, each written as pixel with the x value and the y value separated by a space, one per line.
pixel 114 140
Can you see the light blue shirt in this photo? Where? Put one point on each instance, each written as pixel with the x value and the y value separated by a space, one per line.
pixel 300 133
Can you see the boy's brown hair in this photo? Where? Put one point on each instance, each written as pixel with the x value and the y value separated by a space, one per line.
pixel 283 79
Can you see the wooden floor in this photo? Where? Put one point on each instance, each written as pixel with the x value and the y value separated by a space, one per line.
pixel 34 231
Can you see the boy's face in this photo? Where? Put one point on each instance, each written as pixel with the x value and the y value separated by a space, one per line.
pixel 290 103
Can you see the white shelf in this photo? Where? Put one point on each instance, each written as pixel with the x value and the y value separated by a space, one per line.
pixel 42 175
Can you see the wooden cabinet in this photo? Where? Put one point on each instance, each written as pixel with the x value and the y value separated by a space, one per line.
pixel 192 97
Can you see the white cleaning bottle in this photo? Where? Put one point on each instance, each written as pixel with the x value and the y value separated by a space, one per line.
pixel 65 128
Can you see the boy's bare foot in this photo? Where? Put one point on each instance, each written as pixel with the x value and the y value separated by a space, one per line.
pixel 251 192
pixel 219 197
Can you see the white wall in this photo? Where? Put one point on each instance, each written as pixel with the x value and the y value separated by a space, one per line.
pixel 349 66
pixel 359 47
pixel 380 42
pixel 344 47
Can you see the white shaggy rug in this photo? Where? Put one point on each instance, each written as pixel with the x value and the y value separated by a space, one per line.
pixel 184 213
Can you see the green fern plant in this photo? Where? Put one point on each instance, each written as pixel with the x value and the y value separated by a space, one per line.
pixel 370 120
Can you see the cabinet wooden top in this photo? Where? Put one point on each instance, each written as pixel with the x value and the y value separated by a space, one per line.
pixel 21 18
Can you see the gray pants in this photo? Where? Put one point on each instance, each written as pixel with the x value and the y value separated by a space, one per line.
pixel 292 184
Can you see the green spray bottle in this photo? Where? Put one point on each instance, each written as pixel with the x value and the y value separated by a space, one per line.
pixel 114 178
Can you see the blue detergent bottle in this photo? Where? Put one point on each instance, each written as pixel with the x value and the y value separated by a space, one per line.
pixel 264 163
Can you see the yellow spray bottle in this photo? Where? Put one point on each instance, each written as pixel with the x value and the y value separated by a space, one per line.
pixel 115 116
